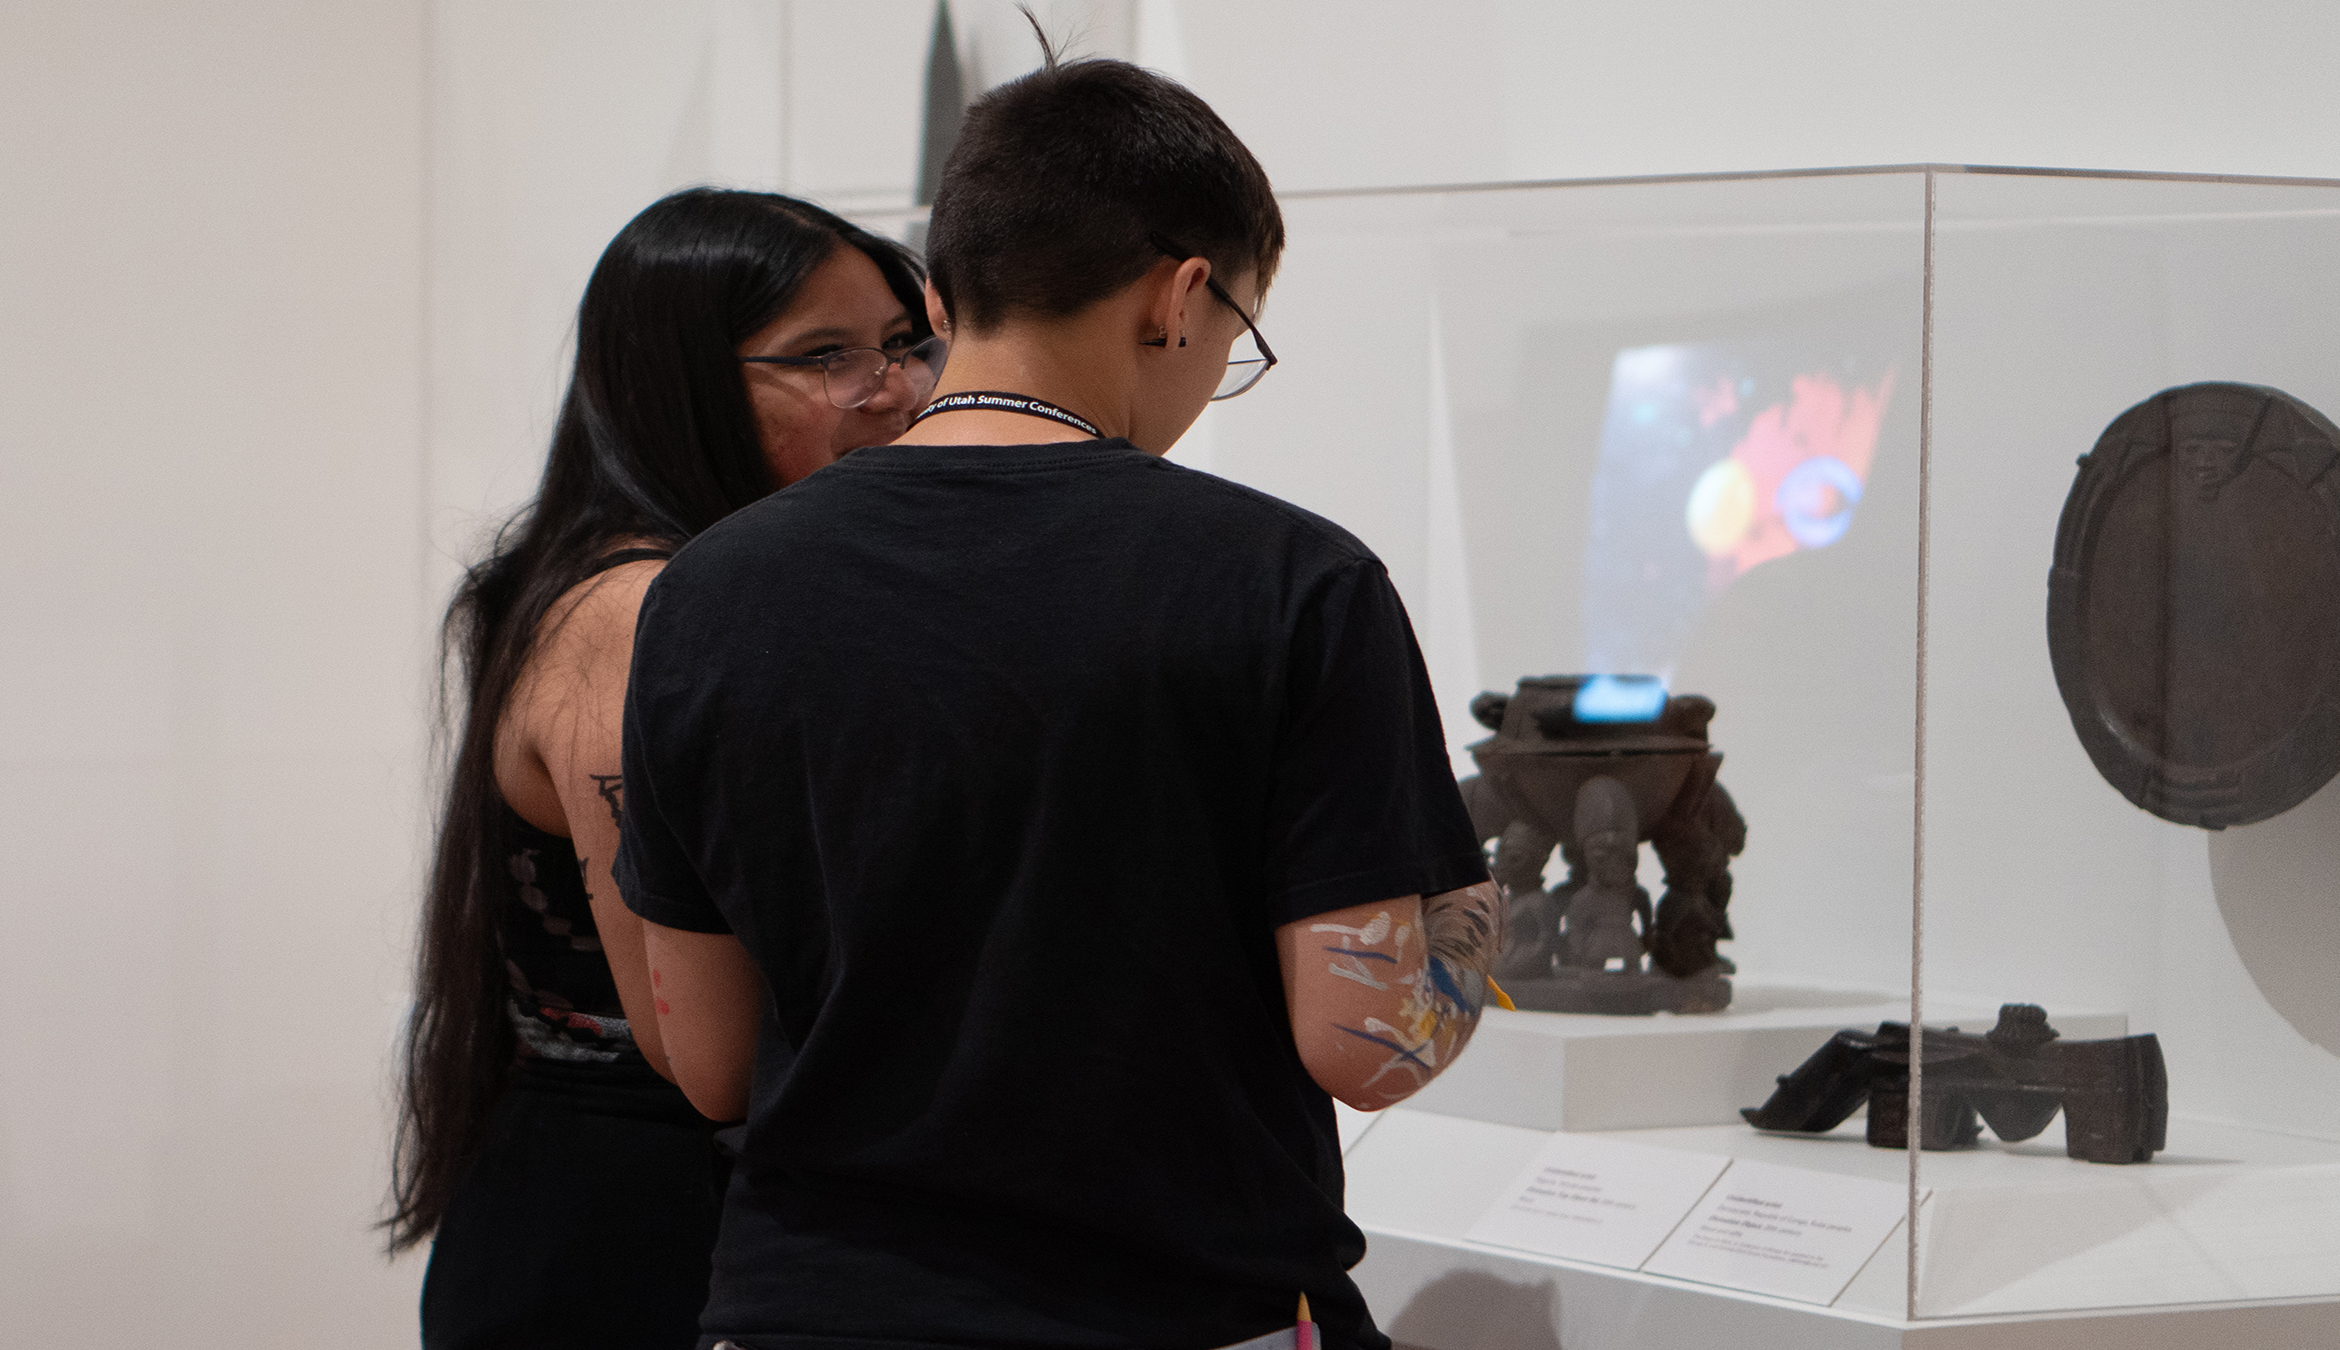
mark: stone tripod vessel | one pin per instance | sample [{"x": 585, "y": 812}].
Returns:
[{"x": 1535, "y": 792}]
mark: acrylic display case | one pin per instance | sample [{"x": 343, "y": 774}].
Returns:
[{"x": 1801, "y": 443}]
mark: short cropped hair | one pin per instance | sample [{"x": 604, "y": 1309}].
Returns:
[{"x": 1072, "y": 182}]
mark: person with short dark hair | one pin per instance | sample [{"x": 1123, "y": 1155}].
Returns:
[{"x": 1032, "y": 836}]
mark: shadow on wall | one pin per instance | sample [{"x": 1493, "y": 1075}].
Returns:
[
  {"x": 2276, "y": 884},
  {"x": 1468, "y": 1310}
]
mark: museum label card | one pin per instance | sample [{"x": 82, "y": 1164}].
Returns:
[
  {"x": 1602, "y": 1201},
  {"x": 1783, "y": 1231}
]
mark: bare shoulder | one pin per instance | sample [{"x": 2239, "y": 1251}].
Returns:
[
  {"x": 598, "y": 613},
  {"x": 570, "y": 698},
  {"x": 587, "y": 639}
]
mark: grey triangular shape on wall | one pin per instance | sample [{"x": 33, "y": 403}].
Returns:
[{"x": 946, "y": 103}]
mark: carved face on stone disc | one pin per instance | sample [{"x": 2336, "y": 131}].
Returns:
[{"x": 2211, "y": 444}]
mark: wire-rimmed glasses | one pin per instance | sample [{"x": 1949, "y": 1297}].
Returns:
[
  {"x": 854, "y": 376},
  {"x": 1250, "y": 359}
]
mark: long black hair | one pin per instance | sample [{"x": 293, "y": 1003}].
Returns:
[{"x": 655, "y": 441}]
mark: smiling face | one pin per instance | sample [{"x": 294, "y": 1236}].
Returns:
[{"x": 844, "y": 303}]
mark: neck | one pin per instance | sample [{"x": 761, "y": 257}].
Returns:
[{"x": 1057, "y": 363}]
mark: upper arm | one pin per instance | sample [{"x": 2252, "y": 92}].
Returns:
[
  {"x": 1353, "y": 984},
  {"x": 572, "y": 704},
  {"x": 1362, "y": 805},
  {"x": 705, "y": 991},
  {"x": 1383, "y": 997},
  {"x": 1365, "y": 821},
  {"x": 709, "y": 1000}
]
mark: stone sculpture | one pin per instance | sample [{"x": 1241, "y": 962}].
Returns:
[
  {"x": 2114, "y": 1093},
  {"x": 1597, "y": 929},
  {"x": 1556, "y": 775},
  {"x": 2193, "y": 614}
]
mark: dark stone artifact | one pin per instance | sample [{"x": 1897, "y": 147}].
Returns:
[
  {"x": 2194, "y": 604},
  {"x": 2114, "y": 1093},
  {"x": 1593, "y": 766}
]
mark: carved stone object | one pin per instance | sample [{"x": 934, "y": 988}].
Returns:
[
  {"x": 1598, "y": 929},
  {"x": 2194, "y": 604},
  {"x": 2114, "y": 1093},
  {"x": 1596, "y": 783}
]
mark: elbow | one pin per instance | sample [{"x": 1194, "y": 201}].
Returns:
[
  {"x": 655, "y": 1057},
  {"x": 1358, "y": 1098},
  {"x": 712, "y": 1090},
  {"x": 1369, "y": 1081},
  {"x": 721, "y": 1103},
  {"x": 728, "y": 1108}
]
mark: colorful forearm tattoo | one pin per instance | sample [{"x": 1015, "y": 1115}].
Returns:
[{"x": 1437, "y": 982}]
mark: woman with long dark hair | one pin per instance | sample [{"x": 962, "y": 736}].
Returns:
[{"x": 729, "y": 344}]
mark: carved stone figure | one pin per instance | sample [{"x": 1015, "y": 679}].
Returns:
[
  {"x": 1696, "y": 846},
  {"x": 2114, "y": 1093},
  {"x": 1594, "y": 787},
  {"x": 1597, "y": 929}
]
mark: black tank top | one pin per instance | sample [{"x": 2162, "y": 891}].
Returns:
[{"x": 564, "y": 1005}]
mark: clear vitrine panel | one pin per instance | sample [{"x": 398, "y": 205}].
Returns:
[
  {"x": 1552, "y": 411},
  {"x": 2198, "y": 625},
  {"x": 1662, "y": 429}
]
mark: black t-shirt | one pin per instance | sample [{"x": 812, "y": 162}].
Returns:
[{"x": 1004, "y": 764}]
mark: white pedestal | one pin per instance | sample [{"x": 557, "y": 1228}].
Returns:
[
  {"x": 2019, "y": 1247},
  {"x": 1571, "y": 1071}
]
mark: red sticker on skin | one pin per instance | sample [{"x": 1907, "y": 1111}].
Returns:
[
  {"x": 656, "y": 978},
  {"x": 663, "y": 1009}
]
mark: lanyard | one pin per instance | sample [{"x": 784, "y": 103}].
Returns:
[{"x": 994, "y": 401}]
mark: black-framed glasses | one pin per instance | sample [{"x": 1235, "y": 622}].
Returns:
[
  {"x": 854, "y": 376},
  {"x": 1249, "y": 361}
]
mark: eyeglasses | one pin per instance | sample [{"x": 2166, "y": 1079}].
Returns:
[
  {"x": 1250, "y": 359},
  {"x": 854, "y": 376}
]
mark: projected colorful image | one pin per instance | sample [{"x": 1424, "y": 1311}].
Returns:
[{"x": 1715, "y": 459}]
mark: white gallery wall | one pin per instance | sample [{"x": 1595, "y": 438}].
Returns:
[
  {"x": 212, "y": 639},
  {"x": 284, "y": 293}
]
